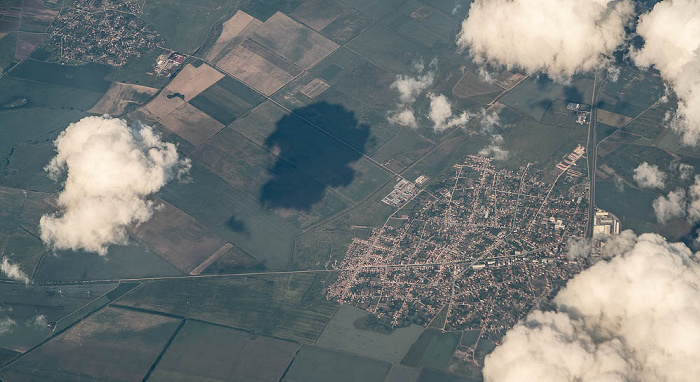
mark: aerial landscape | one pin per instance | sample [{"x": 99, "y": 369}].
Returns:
[{"x": 350, "y": 190}]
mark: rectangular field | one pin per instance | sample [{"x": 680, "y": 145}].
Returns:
[
  {"x": 191, "y": 124},
  {"x": 234, "y": 30},
  {"x": 227, "y": 100},
  {"x": 258, "y": 68},
  {"x": 177, "y": 237},
  {"x": 204, "y": 351},
  {"x": 387, "y": 49},
  {"x": 112, "y": 345},
  {"x": 317, "y": 364},
  {"x": 293, "y": 41},
  {"x": 341, "y": 334},
  {"x": 236, "y": 216},
  {"x": 285, "y": 306}
]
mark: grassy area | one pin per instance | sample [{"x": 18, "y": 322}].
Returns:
[
  {"x": 25, "y": 305},
  {"x": 387, "y": 49},
  {"x": 121, "y": 261},
  {"x": 186, "y": 25},
  {"x": 204, "y": 351},
  {"x": 112, "y": 345},
  {"x": 342, "y": 334},
  {"x": 89, "y": 77},
  {"x": 227, "y": 100},
  {"x": 235, "y": 216},
  {"x": 317, "y": 364},
  {"x": 285, "y": 306},
  {"x": 433, "y": 349}
]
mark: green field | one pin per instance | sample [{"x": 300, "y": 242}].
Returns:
[
  {"x": 316, "y": 364},
  {"x": 342, "y": 334},
  {"x": 257, "y": 231},
  {"x": 204, "y": 351},
  {"x": 25, "y": 305},
  {"x": 375, "y": 9},
  {"x": 633, "y": 92},
  {"x": 285, "y": 306},
  {"x": 433, "y": 349},
  {"x": 120, "y": 262},
  {"x": 423, "y": 24},
  {"x": 186, "y": 24},
  {"x": 387, "y": 49},
  {"x": 111, "y": 345},
  {"x": 89, "y": 77},
  {"x": 262, "y": 10},
  {"x": 7, "y": 51},
  {"x": 227, "y": 100}
]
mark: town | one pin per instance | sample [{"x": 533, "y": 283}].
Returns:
[
  {"x": 106, "y": 32},
  {"x": 477, "y": 251}
]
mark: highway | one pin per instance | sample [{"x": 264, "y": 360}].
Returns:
[{"x": 592, "y": 153}]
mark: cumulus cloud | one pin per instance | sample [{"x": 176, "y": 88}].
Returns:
[
  {"x": 409, "y": 88},
  {"x": 13, "y": 271},
  {"x": 671, "y": 206},
  {"x": 606, "y": 246},
  {"x": 649, "y": 176},
  {"x": 558, "y": 37},
  {"x": 671, "y": 33},
  {"x": 111, "y": 168},
  {"x": 441, "y": 113},
  {"x": 6, "y": 325},
  {"x": 488, "y": 124},
  {"x": 495, "y": 149},
  {"x": 684, "y": 170},
  {"x": 635, "y": 317},
  {"x": 679, "y": 203}
]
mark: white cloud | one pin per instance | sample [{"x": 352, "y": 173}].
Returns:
[
  {"x": 111, "y": 170},
  {"x": 13, "y": 271},
  {"x": 679, "y": 203},
  {"x": 685, "y": 171},
  {"x": 409, "y": 88},
  {"x": 558, "y": 37},
  {"x": 495, "y": 149},
  {"x": 671, "y": 32},
  {"x": 6, "y": 325},
  {"x": 671, "y": 206},
  {"x": 441, "y": 113},
  {"x": 635, "y": 317},
  {"x": 649, "y": 176},
  {"x": 40, "y": 321}
]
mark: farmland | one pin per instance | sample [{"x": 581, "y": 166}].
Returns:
[
  {"x": 283, "y": 306},
  {"x": 283, "y": 108}
]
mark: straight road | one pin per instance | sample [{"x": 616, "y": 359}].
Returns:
[{"x": 592, "y": 153}]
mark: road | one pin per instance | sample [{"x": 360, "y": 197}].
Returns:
[{"x": 592, "y": 153}]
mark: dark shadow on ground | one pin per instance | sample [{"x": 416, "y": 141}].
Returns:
[
  {"x": 572, "y": 94},
  {"x": 310, "y": 160}
]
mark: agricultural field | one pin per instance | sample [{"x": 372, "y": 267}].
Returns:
[
  {"x": 293, "y": 41},
  {"x": 227, "y": 100},
  {"x": 283, "y": 306},
  {"x": 120, "y": 95},
  {"x": 342, "y": 334},
  {"x": 433, "y": 349},
  {"x": 121, "y": 261},
  {"x": 211, "y": 352},
  {"x": 177, "y": 237},
  {"x": 184, "y": 24},
  {"x": 387, "y": 49},
  {"x": 258, "y": 68},
  {"x": 316, "y": 364},
  {"x": 235, "y": 216},
  {"x": 112, "y": 345},
  {"x": 36, "y": 309}
]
